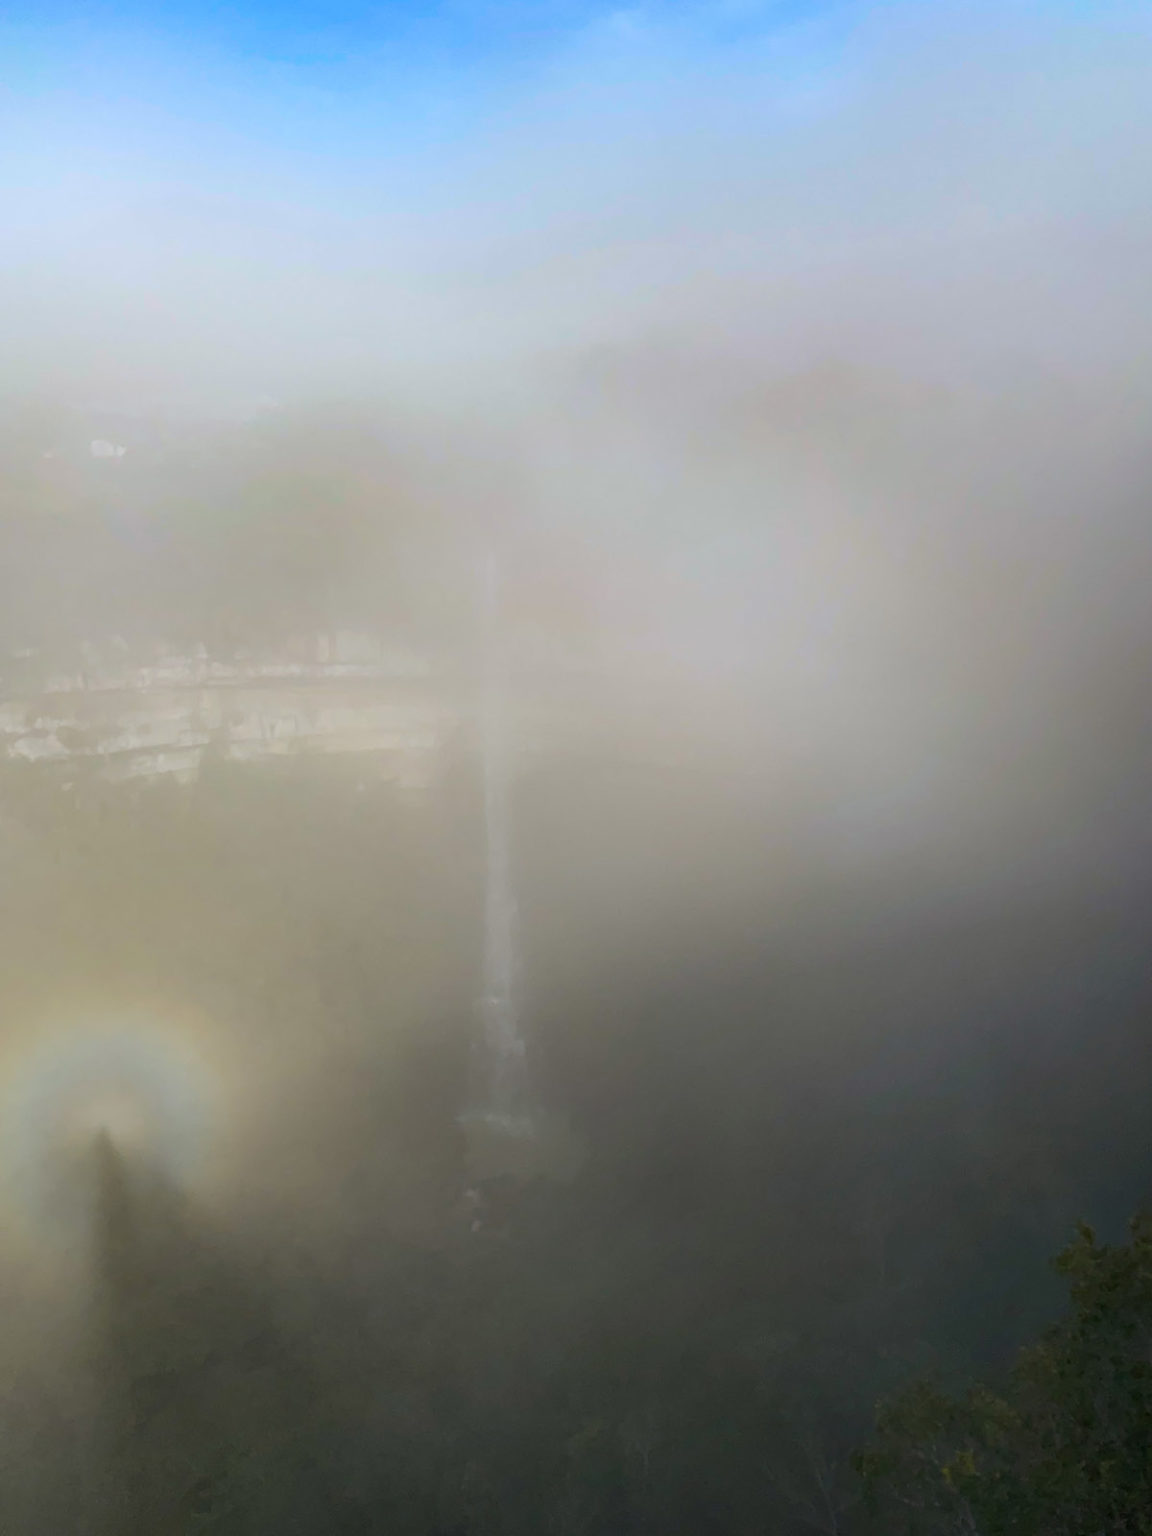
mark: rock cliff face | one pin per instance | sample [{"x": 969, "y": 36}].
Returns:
[
  {"x": 167, "y": 716},
  {"x": 125, "y": 717},
  {"x": 166, "y": 731}
]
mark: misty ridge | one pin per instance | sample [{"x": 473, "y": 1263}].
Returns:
[{"x": 575, "y": 722}]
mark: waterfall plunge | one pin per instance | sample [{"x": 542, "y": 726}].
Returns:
[{"x": 502, "y": 1079}]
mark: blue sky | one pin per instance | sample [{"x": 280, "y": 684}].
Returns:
[
  {"x": 478, "y": 31},
  {"x": 289, "y": 185},
  {"x": 213, "y": 59},
  {"x": 339, "y": 86}
]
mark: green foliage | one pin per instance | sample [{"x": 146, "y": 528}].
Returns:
[{"x": 1065, "y": 1449}]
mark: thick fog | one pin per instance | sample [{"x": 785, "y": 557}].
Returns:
[{"x": 783, "y": 809}]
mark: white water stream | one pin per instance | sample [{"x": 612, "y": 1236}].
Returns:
[{"x": 503, "y": 1078}]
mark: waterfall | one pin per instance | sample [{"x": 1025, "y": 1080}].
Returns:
[{"x": 502, "y": 1085}]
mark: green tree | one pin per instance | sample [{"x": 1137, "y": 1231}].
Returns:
[{"x": 1065, "y": 1449}]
